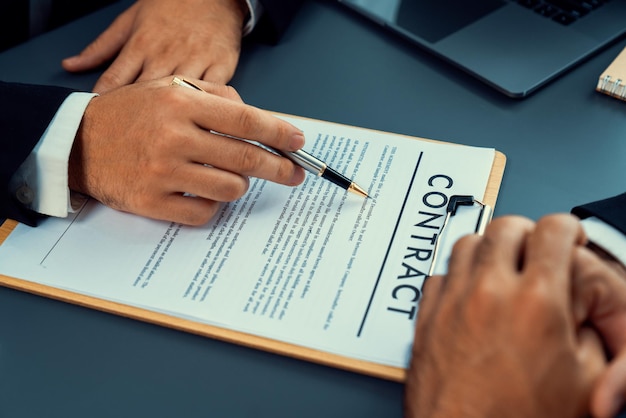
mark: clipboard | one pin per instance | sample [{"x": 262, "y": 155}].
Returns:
[
  {"x": 465, "y": 215},
  {"x": 397, "y": 374}
]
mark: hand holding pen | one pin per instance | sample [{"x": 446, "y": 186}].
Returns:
[
  {"x": 147, "y": 148},
  {"x": 299, "y": 157}
]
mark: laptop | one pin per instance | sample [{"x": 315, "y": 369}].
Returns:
[{"x": 515, "y": 46}]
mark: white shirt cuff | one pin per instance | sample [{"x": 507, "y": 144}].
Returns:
[
  {"x": 41, "y": 183},
  {"x": 604, "y": 235},
  {"x": 256, "y": 9}
]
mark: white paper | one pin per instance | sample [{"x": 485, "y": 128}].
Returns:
[{"x": 310, "y": 265}]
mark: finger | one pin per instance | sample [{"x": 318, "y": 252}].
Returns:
[
  {"x": 123, "y": 71},
  {"x": 501, "y": 251},
  {"x": 610, "y": 389},
  {"x": 460, "y": 265},
  {"x": 105, "y": 47},
  {"x": 599, "y": 297},
  {"x": 592, "y": 362},
  {"x": 427, "y": 308},
  {"x": 247, "y": 122},
  {"x": 208, "y": 182},
  {"x": 245, "y": 159},
  {"x": 590, "y": 353},
  {"x": 188, "y": 210},
  {"x": 550, "y": 252},
  {"x": 431, "y": 293}
]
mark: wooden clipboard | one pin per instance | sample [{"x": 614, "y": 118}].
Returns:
[{"x": 249, "y": 340}]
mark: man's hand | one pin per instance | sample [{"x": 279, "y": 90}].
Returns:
[
  {"x": 497, "y": 335},
  {"x": 600, "y": 299},
  {"x": 156, "y": 38},
  {"x": 145, "y": 148}
]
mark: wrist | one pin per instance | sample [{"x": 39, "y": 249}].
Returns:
[{"x": 240, "y": 9}]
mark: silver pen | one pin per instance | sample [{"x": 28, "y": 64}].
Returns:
[{"x": 300, "y": 157}]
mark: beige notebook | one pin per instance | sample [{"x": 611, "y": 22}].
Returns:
[{"x": 613, "y": 80}]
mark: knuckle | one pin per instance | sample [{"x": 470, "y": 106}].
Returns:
[
  {"x": 173, "y": 97},
  {"x": 559, "y": 219},
  {"x": 154, "y": 166},
  {"x": 282, "y": 133},
  {"x": 231, "y": 93},
  {"x": 487, "y": 298},
  {"x": 170, "y": 171},
  {"x": 234, "y": 190},
  {"x": 92, "y": 49},
  {"x": 507, "y": 225},
  {"x": 486, "y": 253},
  {"x": 463, "y": 246},
  {"x": 284, "y": 171},
  {"x": 557, "y": 223},
  {"x": 142, "y": 202},
  {"x": 250, "y": 159},
  {"x": 489, "y": 290},
  {"x": 110, "y": 79},
  {"x": 538, "y": 300},
  {"x": 250, "y": 121}
]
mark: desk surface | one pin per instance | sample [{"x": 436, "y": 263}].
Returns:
[{"x": 565, "y": 145}]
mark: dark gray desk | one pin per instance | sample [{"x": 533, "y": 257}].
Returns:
[{"x": 565, "y": 145}]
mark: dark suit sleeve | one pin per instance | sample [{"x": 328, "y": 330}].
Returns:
[
  {"x": 611, "y": 210},
  {"x": 25, "y": 112},
  {"x": 277, "y": 14}
]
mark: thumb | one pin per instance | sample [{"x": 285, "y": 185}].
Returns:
[
  {"x": 599, "y": 298},
  {"x": 610, "y": 390},
  {"x": 592, "y": 362}
]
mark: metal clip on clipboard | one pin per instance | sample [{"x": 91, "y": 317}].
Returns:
[{"x": 464, "y": 215}]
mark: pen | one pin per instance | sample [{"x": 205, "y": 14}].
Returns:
[{"x": 300, "y": 157}]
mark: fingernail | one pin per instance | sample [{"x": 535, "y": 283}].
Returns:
[
  {"x": 297, "y": 177},
  {"x": 297, "y": 141}
]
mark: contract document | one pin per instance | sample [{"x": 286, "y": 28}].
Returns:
[{"x": 311, "y": 266}]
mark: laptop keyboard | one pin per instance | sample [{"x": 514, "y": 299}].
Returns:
[{"x": 563, "y": 11}]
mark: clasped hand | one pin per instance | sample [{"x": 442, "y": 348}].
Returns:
[{"x": 518, "y": 327}]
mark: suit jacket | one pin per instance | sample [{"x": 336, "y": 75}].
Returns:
[
  {"x": 611, "y": 210},
  {"x": 277, "y": 14},
  {"x": 25, "y": 112}
]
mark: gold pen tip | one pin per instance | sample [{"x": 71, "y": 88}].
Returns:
[{"x": 356, "y": 189}]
